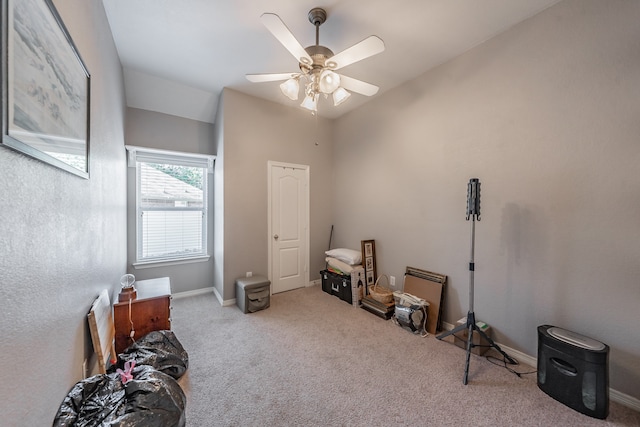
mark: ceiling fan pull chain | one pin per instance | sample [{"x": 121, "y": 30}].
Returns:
[{"x": 317, "y": 143}]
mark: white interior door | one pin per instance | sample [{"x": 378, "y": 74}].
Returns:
[{"x": 289, "y": 219}]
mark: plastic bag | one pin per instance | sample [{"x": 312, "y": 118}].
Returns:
[
  {"x": 160, "y": 349},
  {"x": 91, "y": 402},
  {"x": 150, "y": 399}
]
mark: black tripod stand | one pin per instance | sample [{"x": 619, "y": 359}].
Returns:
[{"x": 473, "y": 212}]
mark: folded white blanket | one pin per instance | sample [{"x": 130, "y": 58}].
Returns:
[
  {"x": 340, "y": 266},
  {"x": 350, "y": 256}
]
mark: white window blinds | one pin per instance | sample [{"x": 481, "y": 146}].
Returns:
[{"x": 171, "y": 204}]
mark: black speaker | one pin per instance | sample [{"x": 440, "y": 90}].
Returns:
[{"x": 574, "y": 370}]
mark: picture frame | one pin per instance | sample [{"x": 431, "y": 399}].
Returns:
[
  {"x": 45, "y": 87},
  {"x": 369, "y": 260},
  {"x": 370, "y": 278}
]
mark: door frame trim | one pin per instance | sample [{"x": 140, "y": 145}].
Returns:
[{"x": 306, "y": 168}]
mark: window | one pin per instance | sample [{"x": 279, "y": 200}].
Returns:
[{"x": 171, "y": 205}]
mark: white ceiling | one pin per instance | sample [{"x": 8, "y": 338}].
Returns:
[{"x": 177, "y": 55}]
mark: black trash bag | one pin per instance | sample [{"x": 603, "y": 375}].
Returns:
[
  {"x": 92, "y": 401},
  {"x": 153, "y": 399},
  {"x": 160, "y": 349},
  {"x": 150, "y": 399}
]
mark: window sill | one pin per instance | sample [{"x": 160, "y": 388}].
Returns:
[{"x": 167, "y": 262}]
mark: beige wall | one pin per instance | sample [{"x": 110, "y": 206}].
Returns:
[
  {"x": 62, "y": 240},
  {"x": 254, "y": 132},
  {"x": 546, "y": 115}
]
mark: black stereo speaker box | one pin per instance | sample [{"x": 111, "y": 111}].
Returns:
[{"x": 574, "y": 370}]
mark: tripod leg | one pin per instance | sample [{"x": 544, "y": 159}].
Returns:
[
  {"x": 494, "y": 345},
  {"x": 465, "y": 379},
  {"x": 453, "y": 331}
]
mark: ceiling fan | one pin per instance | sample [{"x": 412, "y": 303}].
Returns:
[{"x": 317, "y": 64}]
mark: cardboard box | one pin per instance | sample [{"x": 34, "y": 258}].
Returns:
[{"x": 460, "y": 338}]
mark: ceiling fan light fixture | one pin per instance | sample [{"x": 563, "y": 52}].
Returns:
[
  {"x": 340, "y": 95},
  {"x": 317, "y": 64},
  {"x": 310, "y": 102},
  {"x": 329, "y": 81},
  {"x": 291, "y": 88}
]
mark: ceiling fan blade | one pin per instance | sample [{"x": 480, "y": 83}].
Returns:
[
  {"x": 282, "y": 33},
  {"x": 260, "y": 78},
  {"x": 370, "y": 46},
  {"x": 358, "y": 86}
]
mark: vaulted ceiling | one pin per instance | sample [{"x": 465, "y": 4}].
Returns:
[{"x": 177, "y": 56}]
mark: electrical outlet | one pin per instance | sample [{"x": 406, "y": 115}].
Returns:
[
  {"x": 249, "y": 274},
  {"x": 392, "y": 280}
]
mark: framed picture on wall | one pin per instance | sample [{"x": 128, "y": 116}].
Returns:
[
  {"x": 369, "y": 260},
  {"x": 45, "y": 87}
]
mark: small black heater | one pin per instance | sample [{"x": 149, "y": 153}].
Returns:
[{"x": 574, "y": 370}]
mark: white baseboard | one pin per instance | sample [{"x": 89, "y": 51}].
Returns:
[
  {"x": 203, "y": 291},
  {"x": 520, "y": 356},
  {"x": 222, "y": 301},
  {"x": 624, "y": 399},
  {"x": 229, "y": 302},
  {"x": 614, "y": 395},
  {"x": 314, "y": 282},
  {"x": 193, "y": 293}
]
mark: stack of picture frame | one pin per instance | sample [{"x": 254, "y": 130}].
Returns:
[{"x": 380, "y": 309}]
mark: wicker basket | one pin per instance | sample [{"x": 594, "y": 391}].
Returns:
[{"x": 380, "y": 293}]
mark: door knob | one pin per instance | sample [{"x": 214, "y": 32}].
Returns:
[{"x": 275, "y": 236}]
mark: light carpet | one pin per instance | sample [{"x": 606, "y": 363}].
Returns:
[{"x": 314, "y": 360}]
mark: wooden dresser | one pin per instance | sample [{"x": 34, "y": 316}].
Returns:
[{"x": 150, "y": 311}]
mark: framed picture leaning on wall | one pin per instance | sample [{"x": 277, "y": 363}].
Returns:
[
  {"x": 369, "y": 260},
  {"x": 45, "y": 87}
]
